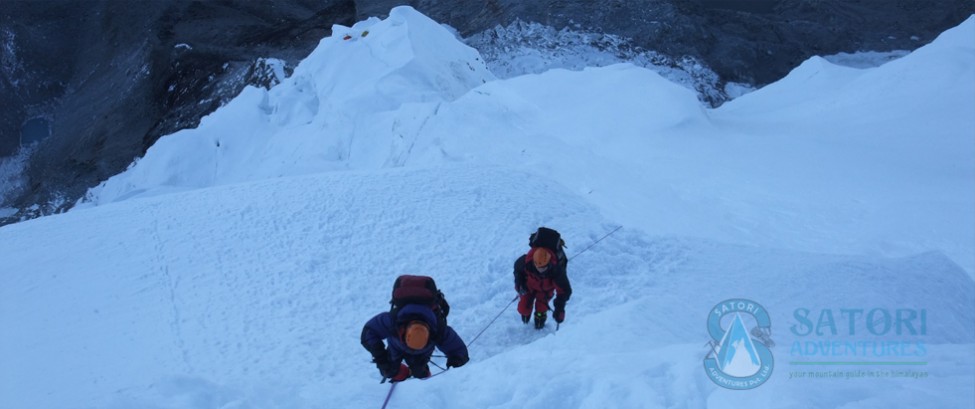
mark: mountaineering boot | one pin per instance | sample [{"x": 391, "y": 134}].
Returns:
[
  {"x": 525, "y": 318},
  {"x": 421, "y": 372},
  {"x": 404, "y": 372},
  {"x": 540, "y": 319}
]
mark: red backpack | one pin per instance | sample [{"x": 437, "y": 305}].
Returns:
[{"x": 422, "y": 290}]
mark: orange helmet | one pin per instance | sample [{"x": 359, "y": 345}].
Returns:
[
  {"x": 541, "y": 257},
  {"x": 417, "y": 335}
]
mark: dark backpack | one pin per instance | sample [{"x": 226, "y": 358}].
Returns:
[
  {"x": 422, "y": 290},
  {"x": 552, "y": 240}
]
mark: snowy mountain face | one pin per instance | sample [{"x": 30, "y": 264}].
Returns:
[
  {"x": 236, "y": 262},
  {"x": 379, "y": 101},
  {"x": 88, "y": 86}
]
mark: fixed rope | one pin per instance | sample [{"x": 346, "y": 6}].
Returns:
[
  {"x": 442, "y": 369},
  {"x": 595, "y": 242},
  {"x": 492, "y": 321},
  {"x": 389, "y": 394},
  {"x": 393, "y": 385}
]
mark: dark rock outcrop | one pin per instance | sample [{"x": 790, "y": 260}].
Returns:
[{"x": 112, "y": 76}]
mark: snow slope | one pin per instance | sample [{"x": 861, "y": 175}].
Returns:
[
  {"x": 234, "y": 265},
  {"x": 253, "y": 295}
]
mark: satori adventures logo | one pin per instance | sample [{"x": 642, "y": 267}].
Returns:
[{"x": 738, "y": 358}]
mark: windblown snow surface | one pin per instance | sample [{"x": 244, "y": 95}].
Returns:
[{"x": 234, "y": 265}]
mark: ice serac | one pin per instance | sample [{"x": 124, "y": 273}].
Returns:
[{"x": 317, "y": 116}]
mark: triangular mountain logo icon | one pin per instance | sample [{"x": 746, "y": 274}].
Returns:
[{"x": 736, "y": 353}]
